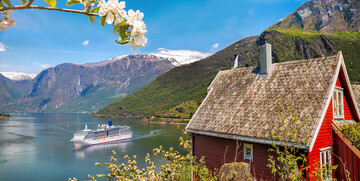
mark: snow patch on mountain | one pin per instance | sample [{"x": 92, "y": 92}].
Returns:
[
  {"x": 181, "y": 57},
  {"x": 104, "y": 62},
  {"x": 18, "y": 76}
]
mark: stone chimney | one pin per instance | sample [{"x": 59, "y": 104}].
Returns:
[{"x": 265, "y": 58}]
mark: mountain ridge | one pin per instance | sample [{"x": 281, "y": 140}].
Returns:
[
  {"x": 70, "y": 87},
  {"x": 325, "y": 16},
  {"x": 172, "y": 89}
]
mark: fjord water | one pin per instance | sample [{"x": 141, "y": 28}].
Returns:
[{"x": 36, "y": 146}]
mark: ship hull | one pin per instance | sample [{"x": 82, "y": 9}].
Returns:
[{"x": 94, "y": 141}]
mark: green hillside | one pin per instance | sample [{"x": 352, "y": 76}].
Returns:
[{"x": 189, "y": 82}]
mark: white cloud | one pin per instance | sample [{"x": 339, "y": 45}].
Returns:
[
  {"x": 86, "y": 42},
  {"x": 181, "y": 56},
  {"x": 2, "y": 47},
  {"x": 215, "y": 45},
  {"x": 44, "y": 65}
]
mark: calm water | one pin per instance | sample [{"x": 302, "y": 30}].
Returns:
[{"x": 37, "y": 146}]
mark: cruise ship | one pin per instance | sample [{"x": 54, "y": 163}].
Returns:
[{"x": 105, "y": 133}]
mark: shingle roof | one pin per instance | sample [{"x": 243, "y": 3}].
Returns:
[
  {"x": 246, "y": 103},
  {"x": 356, "y": 90}
]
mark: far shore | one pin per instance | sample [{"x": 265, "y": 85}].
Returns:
[
  {"x": 2, "y": 116},
  {"x": 158, "y": 120}
]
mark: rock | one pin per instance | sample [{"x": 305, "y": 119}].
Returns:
[{"x": 235, "y": 171}]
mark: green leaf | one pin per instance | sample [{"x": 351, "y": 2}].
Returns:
[
  {"x": 52, "y": 3},
  {"x": 24, "y": 2},
  {"x": 122, "y": 42},
  {"x": 1, "y": 4},
  {"x": 7, "y": 2},
  {"x": 72, "y": 2},
  {"x": 92, "y": 19},
  {"x": 96, "y": 9},
  {"x": 117, "y": 26},
  {"x": 102, "y": 21}
]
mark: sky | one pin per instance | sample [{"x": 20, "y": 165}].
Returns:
[{"x": 43, "y": 39}]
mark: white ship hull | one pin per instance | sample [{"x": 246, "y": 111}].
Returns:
[
  {"x": 96, "y": 141},
  {"x": 103, "y": 134}
]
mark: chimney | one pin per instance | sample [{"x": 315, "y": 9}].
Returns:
[{"x": 265, "y": 58}]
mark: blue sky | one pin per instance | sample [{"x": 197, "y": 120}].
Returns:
[{"x": 47, "y": 38}]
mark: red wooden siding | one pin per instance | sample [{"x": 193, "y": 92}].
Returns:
[
  {"x": 325, "y": 136},
  {"x": 323, "y": 140},
  {"x": 349, "y": 112},
  {"x": 218, "y": 151},
  {"x": 345, "y": 156}
]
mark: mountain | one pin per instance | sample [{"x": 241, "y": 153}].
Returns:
[
  {"x": 18, "y": 76},
  {"x": 189, "y": 82},
  {"x": 70, "y": 87},
  {"x": 8, "y": 91},
  {"x": 325, "y": 16},
  {"x": 21, "y": 82}
]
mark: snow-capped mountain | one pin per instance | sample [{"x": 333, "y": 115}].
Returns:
[
  {"x": 18, "y": 76},
  {"x": 104, "y": 62},
  {"x": 181, "y": 57}
]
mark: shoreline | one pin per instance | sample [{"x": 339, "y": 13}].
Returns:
[
  {"x": 159, "y": 120},
  {"x": 4, "y": 116}
]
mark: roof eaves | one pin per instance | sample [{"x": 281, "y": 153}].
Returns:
[{"x": 246, "y": 138}]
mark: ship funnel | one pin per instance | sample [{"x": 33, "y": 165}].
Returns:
[{"x": 109, "y": 123}]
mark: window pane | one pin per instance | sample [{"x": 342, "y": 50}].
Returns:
[
  {"x": 248, "y": 152},
  {"x": 335, "y": 104},
  {"x": 340, "y": 104},
  {"x": 329, "y": 157}
]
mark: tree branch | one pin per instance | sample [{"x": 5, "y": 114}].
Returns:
[
  {"x": 29, "y": 6},
  {"x": 29, "y": 3}
]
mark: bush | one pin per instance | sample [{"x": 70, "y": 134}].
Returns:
[{"x": 352, "y": 132}]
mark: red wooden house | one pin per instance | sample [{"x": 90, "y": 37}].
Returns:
[{"x": 242, "y": 108}]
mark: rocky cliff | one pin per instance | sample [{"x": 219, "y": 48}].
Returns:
[
  {"x": 325, "y": 16},
  {"x": 85, "y": 88}
]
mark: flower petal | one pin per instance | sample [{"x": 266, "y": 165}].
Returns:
[{"x": 110, "y": 18}]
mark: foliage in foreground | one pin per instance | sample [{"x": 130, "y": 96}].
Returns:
[
  {"x": 179, "y": 167},
  {"x": 352, "y": 132}
]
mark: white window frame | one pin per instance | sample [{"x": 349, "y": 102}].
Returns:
[
  {"x": 246, "y": 156},
  {"x": 325, "y": 161},
  {"x": 340, "y": 108}
]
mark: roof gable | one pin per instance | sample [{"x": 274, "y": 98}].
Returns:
[{"x": 246, "y": 103}]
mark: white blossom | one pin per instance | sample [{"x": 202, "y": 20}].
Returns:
[
  {"x": 138, "y": 38},
  {"x": 112, "y": 10},
  {"x": 135, "y": 18},
  {"x": 7, "y": 21}
]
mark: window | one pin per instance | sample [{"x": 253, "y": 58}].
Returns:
[
  {"x": 248, "y": 151},
  {"x": 338, "y": 105},
  {"x": 325, "y": 162}
]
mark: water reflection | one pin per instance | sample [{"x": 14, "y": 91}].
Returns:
[
  {"x": 39, "y": 144},
  {"x": 84, "y": 151}
]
